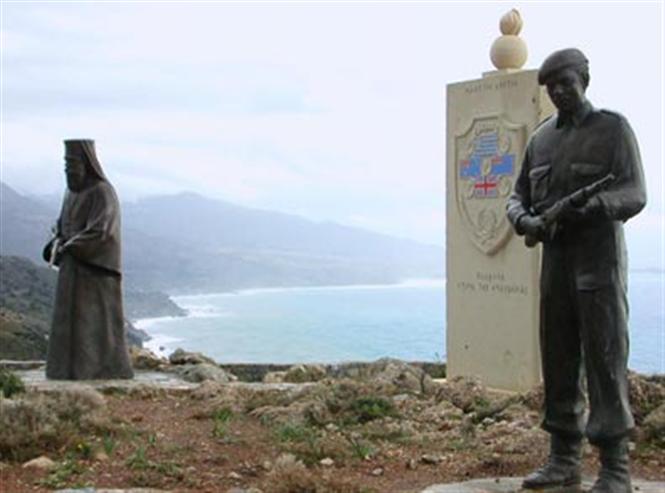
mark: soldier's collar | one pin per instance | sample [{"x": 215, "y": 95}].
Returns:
[{"x": 577, "y": 118}]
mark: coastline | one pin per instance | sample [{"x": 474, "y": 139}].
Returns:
[{"x": 286, "y": 339}]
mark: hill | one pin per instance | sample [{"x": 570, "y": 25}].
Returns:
[
  {"x": 187, "y": 243},
  {"x": 24, "y": 224},
  {"x": 26, "y": 303}
]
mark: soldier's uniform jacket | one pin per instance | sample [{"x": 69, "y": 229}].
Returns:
[{"x": 563, "y": 156}]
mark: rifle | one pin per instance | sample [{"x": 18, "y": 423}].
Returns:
[{"x": 576, "y": 199}]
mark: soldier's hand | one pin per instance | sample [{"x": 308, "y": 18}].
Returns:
[
  {"x": 590, "y": 210},
  {"x": 533, "y": 226}
]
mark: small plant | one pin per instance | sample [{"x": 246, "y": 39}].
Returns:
[
  {"x": 169, "y": 469},
  {"x": 457, "y": 444},
  {"x": 148, "y": 473},
  {"x": 138, "y": 459},
  {"x": 302, "y": 441},
  {"x": 361, "y": 450},
  {"x": 62, "y": 474},
  {"x": 108, "y": 443},
  {"x": 221, "y": 418},
  {"x": 152, "y": 439},
  {"x": 366, "y": 409},
  {"x": 83, "y": 450},
  {"x": 219, "y": 429},
  {"x": 10, "y": 384},
  {"x": 224, "y": 414},
  {"x": 481, "y": 403}
]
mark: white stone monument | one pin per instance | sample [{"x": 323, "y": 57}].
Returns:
[{"x": 492, "y": 278}]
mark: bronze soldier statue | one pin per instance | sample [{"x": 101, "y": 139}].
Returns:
[
  {"x": 87, "y": 339},
  {"x": 583, "y": 306}
]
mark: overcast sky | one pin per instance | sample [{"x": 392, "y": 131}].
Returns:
[{"x": 333, "y": 111}]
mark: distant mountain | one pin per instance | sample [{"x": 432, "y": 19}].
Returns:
[
  {"x": 189, "y": 243},
  {"x": 216, "y": 225},
  {"x": 214, "y": 245}
]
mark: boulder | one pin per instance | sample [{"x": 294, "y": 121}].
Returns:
[
  {"x": 442, "y": 413},
  {"x": 274, "y": 377},
  {"x": 144, "y": 359},
  {"x": 646, "y": 394},
  {"x": 203, "y": 372},
  {"x": 430, "y": 459},
  {"x": 42, "y": 463},
  {"x": 467, "y": 394},
  {"x": 182, "y": 357},
  {"x": 393, "y": 375},
  {"x": 297, "y": 412},
  {"x": 304, "y": 373},
  {"x": 534, "y": 398},
  {"x": 654, "y": 424}
]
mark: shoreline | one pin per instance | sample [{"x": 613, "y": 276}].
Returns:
[
  {"x": 165, "y": 337},
  {"x": 417, "y": 282}
]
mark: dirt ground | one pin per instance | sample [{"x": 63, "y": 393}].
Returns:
[{"x": 176, "y": 443}]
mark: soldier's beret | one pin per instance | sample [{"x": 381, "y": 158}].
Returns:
[{"x": 559, "y": 60}]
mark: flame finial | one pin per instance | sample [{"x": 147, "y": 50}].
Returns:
[{"x": 509, "y": 50}]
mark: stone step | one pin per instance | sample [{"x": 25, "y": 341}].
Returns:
[{"x": 513, "y": 485}]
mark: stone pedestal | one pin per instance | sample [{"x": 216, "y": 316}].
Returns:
[{"x": 492, "y": 278}]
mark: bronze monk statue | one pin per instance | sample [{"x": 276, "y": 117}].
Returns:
[
  {"x": 583, "y": 306},
  {"x": 87, "y": 338}
]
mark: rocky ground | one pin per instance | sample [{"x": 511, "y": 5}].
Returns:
[{"x": 188, "y": 425}]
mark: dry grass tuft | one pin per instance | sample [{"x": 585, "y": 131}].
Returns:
[
  {"x": 35, "y": 423},
  {"x": 289, "y": 475}
]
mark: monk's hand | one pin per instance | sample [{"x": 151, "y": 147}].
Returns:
[{"x": 533, "y": 226}]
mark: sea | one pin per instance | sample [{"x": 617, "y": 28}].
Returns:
[{"x": 359, "y": 323}]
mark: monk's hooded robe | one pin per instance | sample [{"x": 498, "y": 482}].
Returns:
[{"x": 87, "y": 339}]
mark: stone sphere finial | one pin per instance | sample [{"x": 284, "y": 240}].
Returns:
[{"x": 509, "y": 50}]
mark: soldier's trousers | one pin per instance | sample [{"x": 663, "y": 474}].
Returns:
[{"x": 584, "y": 331}]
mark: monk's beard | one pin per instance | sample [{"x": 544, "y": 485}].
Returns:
[{"x": 76, "y": 183}]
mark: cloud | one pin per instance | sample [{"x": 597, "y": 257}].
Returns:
[{"x": 334, "y": 111}]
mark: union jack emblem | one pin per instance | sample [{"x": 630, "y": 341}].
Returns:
[{"x": 486, "y": 165}]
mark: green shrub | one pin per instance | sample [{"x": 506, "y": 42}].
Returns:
[
  {"x": 221, "y": 418},
  {"x": 62, "y": 474},
  {"x": 10, "y": 384},
  {"x": 295, "y": 433},
  {"x": 366, "y": 409}
]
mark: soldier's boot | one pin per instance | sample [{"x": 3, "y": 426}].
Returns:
[
  {"x": 562, "y": 468},
  {"x": 614, "y": 475}
]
